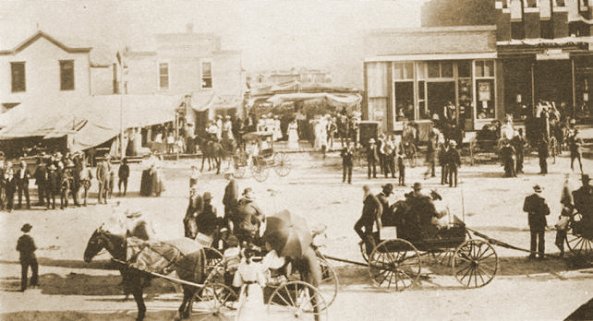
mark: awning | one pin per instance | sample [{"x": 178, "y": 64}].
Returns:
[
  {"x": 205, "y": 101},
  {"x": 336, "y": 100}
]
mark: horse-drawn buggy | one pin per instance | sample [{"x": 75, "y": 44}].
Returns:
[{"x": 257, "y": 155}]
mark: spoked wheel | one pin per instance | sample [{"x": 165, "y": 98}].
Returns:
[
  {"x": 329, "y": 281},
  {"x": 444, "y": 257},
  {"x": 281, "y": 164},
  {"x": 260, "y": 171},
  {"x": 578, "y": 243},
  {"x": 395, "y": 264},
  {"x": 213, "y": 258},
  {"x": 240, "y": 171},
  {"x": 214, "y": 301},
  {"x": 363, "y": 252},
  {"x": 297, "y": 300},
  {"x": 475, "y": 263}
]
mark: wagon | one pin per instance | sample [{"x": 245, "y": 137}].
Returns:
[
  {"x": 579, "y": 236},
  {"x": 257, "y": 155}
]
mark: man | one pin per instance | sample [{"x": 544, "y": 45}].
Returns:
[
  {"x": 431, "y": 153},
  {"x": 575, "y": 142},
  {"x": 507, "y": 153},
  {"x": 383, "y": 197},
  {"x": 26, "y": 248},
  {"x": 103, "y": 174},
  {"x": 372, "y": 158},
  {"x": 543, "y": 154},
  {"x": 76, "y": 182},
  {"x": 85, "y": 177},
  {"x": 249, "y": 217},
  {"x": 230, "y": 199},
  {"x": 453, "y": 163},
  {"x": 9, "y": 186},
  {"x": 195, "y": 206},
  {"x": 442, "y": 155},
  {"x": 347, "y": 155},
  {"x": 371, "y": 215},
  {"x": 123, "y": 173},
  {"x": 206, "y": 220},
  {"x": 518, "y": 142},
  {"x": 227, "y": 129},
  {"x": 537, "y": 210},
  {"x": 381, "y": 152},
  {"x": 421, "y": 212},
  {"x": 22, "y": 184},
  {"x": 41, "y": 180},
  {"x": 583, "y": 202},
  {"x": 52, "y": 187}
]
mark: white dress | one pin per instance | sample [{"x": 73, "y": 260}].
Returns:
[
  {"x": 277, "y": 130},
  {"x": 250, "y": 277},
  {"x": 293, "y": 136}
]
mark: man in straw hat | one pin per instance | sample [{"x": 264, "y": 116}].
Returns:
[
  {"x": 372, "y": 158},
  {"x": 583, "y": 201},
  {"x": 26, "y": 248},
  {"x": 537, "y": 210}
]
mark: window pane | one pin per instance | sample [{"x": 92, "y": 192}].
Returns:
[
  {"x": 67, "y": 75},
  {"x": 17, "y": 70},
  {"x": 398, "y": 73},
  {"x": 433, "y": 70},
  {"x": 489, "y": 68},
  {"x": 479, "y": 69},
  {"x": 206, "y": 75},
  {"x": 404, "y": 101},
  {"x": 485, "y": 95},
  {"x": 420, "y": 71},
  {"x": 409, "y": 71},
  {"x": 464, "y": 69},
  {"x": 446, "y": 70},
  {"x": 163, "y": 76}
]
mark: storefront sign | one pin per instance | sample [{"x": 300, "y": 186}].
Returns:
[
  {"x": 484, "y": 91},
  {"x": 553, "y": 54}
]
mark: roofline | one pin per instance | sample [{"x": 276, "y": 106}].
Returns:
[
  {"x": 29, "y": 41},
  {"x": 431, "y": 29}
]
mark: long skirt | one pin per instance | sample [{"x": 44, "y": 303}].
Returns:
[{"x": 251, "y": 302}]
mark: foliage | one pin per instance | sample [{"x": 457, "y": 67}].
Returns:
[{"x": 442, "y": 13}]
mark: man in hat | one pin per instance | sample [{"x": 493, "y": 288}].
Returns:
[
  {"x": 9, "y": 186},
  {"x": 41, "y": 179},
  {"x": 52, "y": 186},
  {"x": 372, "y": 158},
  {"x": 583, "y": 201},
  {"x": 103, "y": 175},
  {"x": 543, "y": 153},
  {"x": 230, "y": 198},
  {"x": 575, "y": 143},
  {"x": 537, "y": 210},
  {"x": 371, "y": 215},
  {"x": 248, "y": 217},
  {"x": 507, "y": 155},
  {"x": 347, "y": 154},
  {"x": 26, "y": 248},
  {"x": 206, "y": 220},
  {"x": 453, "y": 162},
  {"x": 421, "y": 212},
  {"x": 22, "y": 184},
  {"x": 383, "y": 197},
  {"x": 138, "y": 226},
  {"x": 123, "y": 174}
]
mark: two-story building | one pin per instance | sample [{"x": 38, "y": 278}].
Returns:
[{"x": 538, "y": 49}]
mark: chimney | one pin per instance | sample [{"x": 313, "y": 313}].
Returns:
[{"x": 189, "y": 28}]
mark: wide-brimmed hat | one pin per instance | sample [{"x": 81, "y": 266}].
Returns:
[
  {"x": 372, "y": 141},
  {"x": 247, "y": 191},
  {"x": 52, "y": 167},
  {"x": 207, "y": 196},
  {"x": 585, "y": 178},
  {"x": 26, "y": 228},
  {"x": 417, "y": 186},
  {"x": 537, "y": 188},
  {"x": 453, "y": 143},
  {"x": 133, "y": 213},
  {"x": 387, "y": 188},
  {"x": 227, "y": 117}
]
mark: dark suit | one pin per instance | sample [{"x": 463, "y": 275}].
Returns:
[
  {"x": 372, "y": 159},
  {"x": 543, "y": 153},
  {"x": 249, "y": 217},
  {"x": 41, "y": 180},
  {"x": 26, "y": 247},
  {"x": 583, "y": 202},
  {"x": 371, "y": 212},
  {"x": 229, "y": 200},
  {"x": 453, "y": 163},
  {"x": 52, "y": 187},
  {"x": 10, "y": 189},
  {"x": 22, "y": 186},
  {"x": 347, "y": 165},
  {"x": 537, "y": 209},
  {"x": 123, "y": 174}
]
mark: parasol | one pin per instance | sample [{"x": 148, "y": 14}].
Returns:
[{"x": 288, "y": 234}]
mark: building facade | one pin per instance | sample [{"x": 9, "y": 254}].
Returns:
[{"x": 538, "y": 50}]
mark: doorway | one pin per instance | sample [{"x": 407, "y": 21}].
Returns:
[
  {"x": 438, "y": 95},
  {"x": 553, "y": 81}
]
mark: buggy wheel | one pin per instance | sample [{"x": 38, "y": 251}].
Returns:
[
  {"x": 214, "y": 300},
  {"x": 260, "y": 171},
  {"x": 475, "y": 263},
  {"x": 300, "y": 299},
  {"x": 444, "y": 257},
  {"x": 363, "y": 252},
  {"x": 240, "y": 171},
  {"x": 329, "y": 281},
  {"x": 578, "y": 243},
  {"x": 281, "y": 164},
  {"x": 213, "y": 258},
  {"x": 394, "y": 264}
]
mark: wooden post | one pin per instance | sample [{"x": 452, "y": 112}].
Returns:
[{"x": 574, "y": 87}]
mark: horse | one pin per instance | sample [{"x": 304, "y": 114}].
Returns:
[
  {"x": 212, "y": 151},
  {"x": 190, "y": 267}
]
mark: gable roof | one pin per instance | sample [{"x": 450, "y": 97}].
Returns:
[{"x": 40, "y": 34}]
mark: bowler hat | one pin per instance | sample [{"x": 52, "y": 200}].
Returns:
[
  {"x": 417, "y": 186},
  {"x": 388, "y": 188},
  {"x": 26, "y": 228},
  {"x": 247, "y": 190},
  {"x": 537, "y": 188},
  {"x": 207, "y": 196},
  {"x": 585, "y": 177},
  {"x": 372, "y": 141}
]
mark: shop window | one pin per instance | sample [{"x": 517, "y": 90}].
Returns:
[
  {"x": 404, "y": 100},
  {"x": 207, "y": 74},
  {"x": 465, "y": 102},
  {"x": 434, "y": 70},
  {"x": 446, "y": 70},
  {"x": 17, "y": 70},
  {"x": 440, "y": 69},
  {"x": 464, "y": 69},
  {"x": 404, "y": 71},
  {"x": 66, "y": 74},
  {"x": 485, "y": 68},
  {"x": 422, "y": 107},
  {"x": 163, "y": 76},
  {"x": 421, "y": 70}
]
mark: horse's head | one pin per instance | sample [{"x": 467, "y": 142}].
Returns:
[{"x": 101, "y": 239}]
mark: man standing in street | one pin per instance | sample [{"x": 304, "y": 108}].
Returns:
[
  {"x": 347, "y": 154},
  {"x": 10, "y": 186},
  {"x": 583, "y": 202},
  {"x": 372, "y": 158},
  {"x": 22, "y": 184},
  {"x": 453, "y": 162},
  {"x": 26, "y": 248},
  {"x": 537, "y": 210},
  {"x": 123, "y": 173},
  {"x": 102, "y": 174},
  {"x": 518, "y": 142},
  {"x": 371, "y": 214},
  {"x": 230, "y": 199},
  {"x": 507, "y": 153},
  {"x": 41, "y": 180},
  {"x": 575, "y": 144},
  {"x": 543, "y": 153}
]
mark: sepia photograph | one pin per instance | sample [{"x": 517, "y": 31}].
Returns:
[{"x": 316, "y": 160}]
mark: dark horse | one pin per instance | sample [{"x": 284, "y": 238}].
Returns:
[
  {"x": 189, "y": 267},
  {"x": 213, "y": 151}
]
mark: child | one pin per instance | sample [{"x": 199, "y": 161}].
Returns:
[
  {"x": 123, "y": 174},
  {"x": 232, "y": 259},
  {"x": 401, "y": 167},
  {"x": 193, "y": 178},
  {"x": 250, "y": 278},
  {"x": 561, "y": 227},
  {"x": 26, "y": 247}
]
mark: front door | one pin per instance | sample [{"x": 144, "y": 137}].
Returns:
[{"x": 553, "y": 81}]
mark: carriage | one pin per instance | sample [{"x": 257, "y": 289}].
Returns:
[
  {"x": 257, "y": 155},
  {"x": 579, "y": 236}
]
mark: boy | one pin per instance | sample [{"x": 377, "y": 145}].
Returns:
[
  {"x": 401, "y": 167},
  {"x": 26, "y": 247}
]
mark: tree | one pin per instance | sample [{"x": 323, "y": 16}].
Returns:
[{"x": 442, "y": 13}]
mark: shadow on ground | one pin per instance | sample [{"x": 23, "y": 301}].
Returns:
[{"x": 85, "y": 316}]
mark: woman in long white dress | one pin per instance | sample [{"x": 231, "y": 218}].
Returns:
[
  {"x": 250, "y": 277},
  {"x": 293, "y": 135}
]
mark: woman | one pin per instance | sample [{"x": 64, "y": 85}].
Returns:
[
  {"x": 250, "y": 277},
  {"x": 293, "y": 135}
]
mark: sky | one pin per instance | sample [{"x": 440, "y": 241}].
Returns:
[{"x": 278, "y": 34}]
